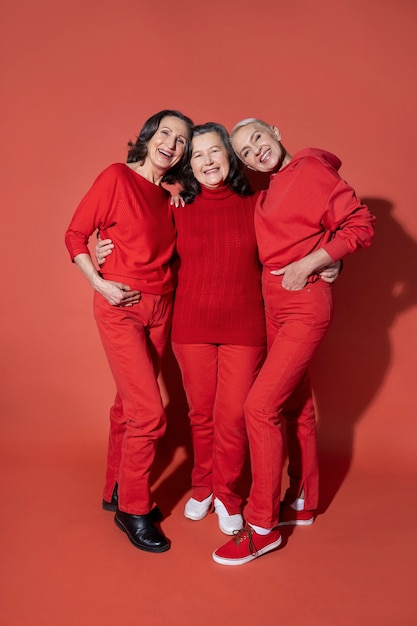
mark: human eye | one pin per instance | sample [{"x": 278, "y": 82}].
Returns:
[
  {"x": 257, "y": 136},
  {"x": 181, "y": 140}
]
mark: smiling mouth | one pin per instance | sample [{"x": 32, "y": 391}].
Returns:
[
  {"x": 168, "y": 155},
  {"x": 212, "y": 170},
  {"x": 265, "y": 155}
]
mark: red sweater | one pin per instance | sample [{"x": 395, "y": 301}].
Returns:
[
  {"x": 136, "y": 215},
  {"x": 308, "y": 206},
  {"x": 218, "y": 297}
]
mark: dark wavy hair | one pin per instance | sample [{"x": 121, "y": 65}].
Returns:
[
  {"x": 236, "y": 180},
  {"x": 138, "y": 150}
]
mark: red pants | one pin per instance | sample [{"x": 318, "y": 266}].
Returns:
[
  {"x": 217, "y": 379},
  {"x": 301, "y": 437},
  {"x": 134, "y": 339},
  {"x": 297, "y": 321}
]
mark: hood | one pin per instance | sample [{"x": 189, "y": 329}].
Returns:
[{"x": 327, "y": 158}]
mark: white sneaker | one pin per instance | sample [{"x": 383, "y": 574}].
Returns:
[
  {"x": 196, "y": 510},
  {"x": 228, "y": 524}
]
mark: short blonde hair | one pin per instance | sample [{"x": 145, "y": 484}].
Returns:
[{"x": 246, "y": 122}]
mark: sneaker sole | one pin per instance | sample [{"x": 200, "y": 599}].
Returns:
[
  {"x": 247, "y": 559},
  {"x": 298, "y": 522},
  {"x": 195, "y": 518}
]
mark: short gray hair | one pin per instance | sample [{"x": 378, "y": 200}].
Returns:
[{"x": 246, "y": 122}]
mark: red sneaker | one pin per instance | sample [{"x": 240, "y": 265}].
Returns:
[
  {"x": 246, "y": 546},
  {"x": 290, "y": 517}
]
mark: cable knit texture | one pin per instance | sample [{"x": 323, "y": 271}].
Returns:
[{"x": 218, "y": 298}]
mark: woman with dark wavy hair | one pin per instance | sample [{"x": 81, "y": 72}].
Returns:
[
  {"x": 218, "y": 327},
  {"x": 132, "y": 307},
  {"x": 236, "y": 180}
]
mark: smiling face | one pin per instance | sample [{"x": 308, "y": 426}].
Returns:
[
  {"x": 167, "y": 145},
  {"x": 209, "y": 160},
  {"x": 258, "y": 147}
]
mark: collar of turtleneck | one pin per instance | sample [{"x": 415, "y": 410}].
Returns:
[{"x": 219, "y": 193}]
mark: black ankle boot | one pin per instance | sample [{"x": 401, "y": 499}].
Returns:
[{"x": 141, "y": 532}]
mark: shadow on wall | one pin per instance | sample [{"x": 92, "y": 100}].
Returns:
[{"x": 375, "y": 287}]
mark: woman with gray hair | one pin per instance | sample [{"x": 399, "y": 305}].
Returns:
[{"x": 308, "y": 218}]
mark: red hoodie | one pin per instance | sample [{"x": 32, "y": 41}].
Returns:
[{"x": 307, "y": 207}]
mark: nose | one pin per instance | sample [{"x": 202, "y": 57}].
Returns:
[
  {"x": 171, "y": 142},
  {"x": 208, "y": 159}
]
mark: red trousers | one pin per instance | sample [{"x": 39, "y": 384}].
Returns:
[
  {"x": 134, "y": 339},
  {"x": 296, "y": 321},
  {"x": 217, "y": 379},
  {"x": 301, "y": 438}
]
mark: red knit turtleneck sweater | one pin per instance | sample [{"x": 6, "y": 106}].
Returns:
[{"x": 218, "y": 297}]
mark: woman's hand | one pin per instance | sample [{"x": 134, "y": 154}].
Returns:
[
  {"x": 331, "y": 272},
  {"x": 295, "y": 275},
  {"x": 117, "y": 294},
  {"x": 177, "y": 200},
  {"x": 104, "y": 247}
]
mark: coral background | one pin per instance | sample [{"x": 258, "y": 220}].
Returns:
[{"x": 78, "y": 80}]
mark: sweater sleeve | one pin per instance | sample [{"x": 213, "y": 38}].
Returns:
[
  {"x": 349, "y": 220},
  {"x": 93, "y": 212}
]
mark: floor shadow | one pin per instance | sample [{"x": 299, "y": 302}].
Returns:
[{"x": 375, "y": 287}]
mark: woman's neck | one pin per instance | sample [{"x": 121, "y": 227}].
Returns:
[
  {"x": 285, "y": 159},
  {"x": 147, "y": 170}
]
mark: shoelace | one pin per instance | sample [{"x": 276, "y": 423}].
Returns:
[{"x": 244, "y": 534}]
